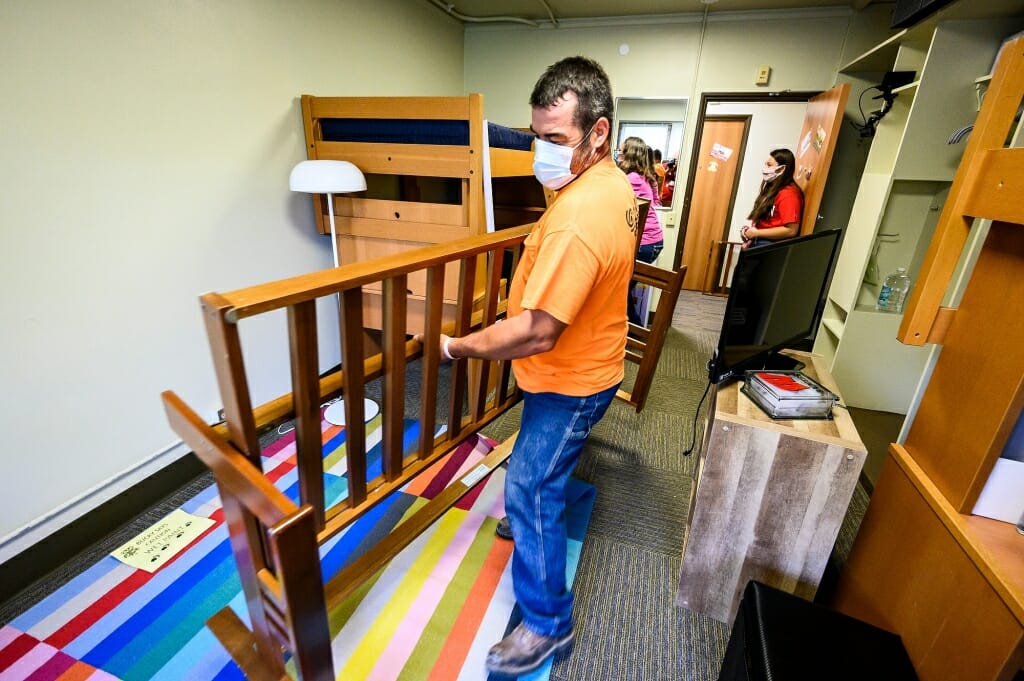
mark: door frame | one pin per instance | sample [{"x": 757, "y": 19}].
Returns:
[{"x": 702, "y": 113}]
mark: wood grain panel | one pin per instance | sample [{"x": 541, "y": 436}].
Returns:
[
  {"x": 909, "y": 575},
  {"x": 997, "y": 187},
  {"x": 420, "y": 160},
  {"x": 982, "y": 358},
  {"x": 409, "y": 211},
  {"x": 771, "y": 496}
]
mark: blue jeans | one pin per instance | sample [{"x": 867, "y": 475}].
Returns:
[
  {"x": 647, "y": 253},
  {"x": 553, "y": 431}
]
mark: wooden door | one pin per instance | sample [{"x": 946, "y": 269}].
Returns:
[
  {"x": 714, "y": 191},
  {"x": 815, "y": 146}
]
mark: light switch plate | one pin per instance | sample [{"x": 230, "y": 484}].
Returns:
[{"x": 763, "y": 74}]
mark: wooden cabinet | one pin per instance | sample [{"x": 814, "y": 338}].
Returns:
[
  {"x": 951, "y": 584},
  {"x": 906, "y": 179},
  {"x": 769, "y": 500}
]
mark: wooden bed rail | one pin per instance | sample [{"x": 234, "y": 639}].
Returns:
[{"x": 276, "y": 540}]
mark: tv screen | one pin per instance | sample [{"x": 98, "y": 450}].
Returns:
[{"x": 774, "y": 301}]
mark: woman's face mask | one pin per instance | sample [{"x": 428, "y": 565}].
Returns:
[
  {"x": 769, "y": 173},
  {"x": 552, "y": 163}
]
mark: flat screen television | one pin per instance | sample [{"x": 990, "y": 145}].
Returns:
[{"x": 775, "y": 300}]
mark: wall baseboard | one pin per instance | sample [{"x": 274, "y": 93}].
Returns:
[{"x": 49, "y": 544}]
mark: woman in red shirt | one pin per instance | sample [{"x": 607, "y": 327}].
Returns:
[{"x": 779, "y": 206}]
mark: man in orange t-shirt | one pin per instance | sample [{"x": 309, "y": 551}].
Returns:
[{"x": 566, "y": 335}]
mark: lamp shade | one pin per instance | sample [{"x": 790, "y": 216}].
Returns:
[{"x": 326, "y": 177}]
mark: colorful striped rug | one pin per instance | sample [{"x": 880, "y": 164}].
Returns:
[{"x": 431, "y": 613}]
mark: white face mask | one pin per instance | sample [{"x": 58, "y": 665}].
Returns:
[
  {"x": 769, "y": 173},
  {"x": 552, "y": 163}
]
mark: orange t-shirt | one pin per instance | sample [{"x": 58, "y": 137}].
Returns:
[{"x": 576, "y": 266}]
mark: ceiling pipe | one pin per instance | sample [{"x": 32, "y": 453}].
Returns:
[{"x": 450, "y": 9}]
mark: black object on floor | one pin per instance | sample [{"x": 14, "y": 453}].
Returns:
[{"x": 781, "y": 637}]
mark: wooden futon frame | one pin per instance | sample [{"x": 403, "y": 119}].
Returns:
[{"x": 275, "y": 541}]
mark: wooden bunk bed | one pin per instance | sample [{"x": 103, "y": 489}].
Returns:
[
  {"x": 436, "y": 172},
  {"x": 276, "y": 541},
  {"x": 950, "y": 583}
]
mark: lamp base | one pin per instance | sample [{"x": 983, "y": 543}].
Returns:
[{"x": 335, "y": 413}]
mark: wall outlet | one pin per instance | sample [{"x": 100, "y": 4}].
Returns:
[{"x": 764, "y": 72}]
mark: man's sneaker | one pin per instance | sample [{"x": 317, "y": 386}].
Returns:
[
  {"x": 504, "y": 528},
  {"x": 523, "y": 651}
]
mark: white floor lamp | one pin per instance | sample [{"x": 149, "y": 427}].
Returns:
[{"x": 331, "y": 177}]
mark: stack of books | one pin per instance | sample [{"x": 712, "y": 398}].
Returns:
[{"x": 788, "y": 395}]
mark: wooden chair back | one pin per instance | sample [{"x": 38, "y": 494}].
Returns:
[
  {"x": 275, "y": 540},
  {"x": 643, "y": 344}
]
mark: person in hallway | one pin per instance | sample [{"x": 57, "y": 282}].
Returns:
[
  {"x": 634, "y": 156},
  {"x": 659, "y": 171},
  {"x": 565, "y": 333},
  {"x": 779, "y": 206}
]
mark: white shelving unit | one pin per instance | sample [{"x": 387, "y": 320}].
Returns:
[{"x": 907, "y": 175}]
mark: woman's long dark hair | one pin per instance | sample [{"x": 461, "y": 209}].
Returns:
[
  {"x": 634, "y": 159},
  {"x": 766, "y": 198}
]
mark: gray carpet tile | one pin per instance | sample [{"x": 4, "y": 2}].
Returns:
[
  {"x": 651, "y": 438},
  {"x": 627, "y": 625},
  {"x": 641, "y": 506}
]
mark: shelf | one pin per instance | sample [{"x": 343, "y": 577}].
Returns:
[
  {"x": 878, "y": 59},
  {"x": 833, "y": 326},
  {"x": 871, "y": 309},
  {"x": 906, "y": 88}
]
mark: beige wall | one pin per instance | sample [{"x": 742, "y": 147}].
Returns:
[
  {"x": 677, "y": 56},
  {"x": 146, "y": 151}
]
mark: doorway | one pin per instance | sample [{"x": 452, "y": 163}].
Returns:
[
  {"x": 712, "y": 191},
  {"x": 808, "y": 123}
]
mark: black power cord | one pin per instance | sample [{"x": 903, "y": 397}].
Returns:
[{"x": 696, "y": 413}]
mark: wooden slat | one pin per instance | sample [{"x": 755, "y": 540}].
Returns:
[
  {"x": 297, "y": 558},
  {"x": 234, "y": 472},
  {"x": 420, "y": 233},
  {"x": 305, "y": 369},
  {"x": 463, "y": 315},
  {"x": 474, "y": 193},
  {"x": 482, "y": 379},
  {"x": 510, "y": 163},
  {"x": 234, "y": 388},
  {"x": 311, "y": 127},
  {"x": 352, "y": 389},
  {"x": 415, "y": 212},
  {"x": 419, "y": 160},
  {"x": 243, "y": 648},
  {"x": 422, "y": 108},
  {"x": 348, "y": 580},
  {"x": 431, "y": 358},
  {"x": 997, "y": 187},
  {"x": 394, "y": 375}
]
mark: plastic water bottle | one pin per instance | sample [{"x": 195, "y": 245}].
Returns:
[{"x": 894, "y": 291}]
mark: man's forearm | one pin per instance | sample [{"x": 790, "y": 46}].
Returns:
[{"x": 528, "y": 333}]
